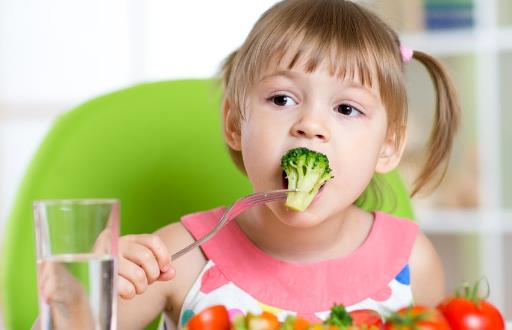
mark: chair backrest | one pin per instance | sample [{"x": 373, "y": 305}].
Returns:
[{"x": 157, "y": 147}]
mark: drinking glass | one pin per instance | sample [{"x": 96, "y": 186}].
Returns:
[{"x": 76, "y": 243}]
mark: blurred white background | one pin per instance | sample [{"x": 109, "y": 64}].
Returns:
[{"x": 55, "y": 54}]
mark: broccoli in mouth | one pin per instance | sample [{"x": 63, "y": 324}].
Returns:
[{"x": 306, "y": 171}]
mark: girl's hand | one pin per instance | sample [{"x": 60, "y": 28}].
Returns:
[{"x": 143, "y": 259}]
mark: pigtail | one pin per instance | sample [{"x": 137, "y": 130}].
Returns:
[{"x": 446, "y": 122}]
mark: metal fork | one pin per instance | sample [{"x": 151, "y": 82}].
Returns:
[{"x": 235, "y": 209}]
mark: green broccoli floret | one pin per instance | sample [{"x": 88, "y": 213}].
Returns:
[
  {"x": 306, "y": 171},
  {"x": 339, "y": 317}
]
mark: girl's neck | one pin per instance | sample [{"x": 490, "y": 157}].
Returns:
[{"x": 335, "y": 237}]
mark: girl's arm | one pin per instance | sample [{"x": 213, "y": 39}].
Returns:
[
  {"x": 165, "y": 295},
  {"x": 427, "y": 275}
]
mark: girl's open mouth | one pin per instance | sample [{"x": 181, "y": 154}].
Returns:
[{"x": 284, "y": 180}]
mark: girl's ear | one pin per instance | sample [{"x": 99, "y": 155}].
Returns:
[
  {"x": 231, "y": 126},
  {"x": 390, "y": 154}
]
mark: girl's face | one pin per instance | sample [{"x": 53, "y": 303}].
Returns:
[{"x": 340, "y": 118}]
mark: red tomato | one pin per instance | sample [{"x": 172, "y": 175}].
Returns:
[
  {"x": 366, "y": 317},
  {"x": 417, "y": 317},
  {"x": 465, "y": 314},
  {"x": 211, "y": 318}
]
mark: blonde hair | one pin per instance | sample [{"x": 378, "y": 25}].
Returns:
[{"x": 354, "y": 42}]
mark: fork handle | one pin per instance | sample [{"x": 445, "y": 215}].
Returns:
[
  {"x": 203, "y": 239},
  {"x": 185, "y": 250}
]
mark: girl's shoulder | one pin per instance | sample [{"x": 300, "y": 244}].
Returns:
[
  {"x": 426, "y": 269},
  {"x": 427, "y": 274},
  {"x": 175, "y": 236}
]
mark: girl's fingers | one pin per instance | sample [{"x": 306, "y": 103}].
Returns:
[
  {"x": 157, "y": 247},
  {"x": 134, "y": 274},
  {"x": 125, "y": 288},
  {"x": 168, "y": 275},
  {"x": 143, "y": 257}
]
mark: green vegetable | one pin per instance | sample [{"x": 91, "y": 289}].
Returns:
[
  {"x": 339, "y": 317},
  {"x": 288, "y": 323},
  {"x": 306, "y": 171},
  {"x": 239, "y": 323}
]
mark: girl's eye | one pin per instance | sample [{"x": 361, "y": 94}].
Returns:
[
  {"x": 348, "y": 110},
  {"x": 282, "y": 100}
]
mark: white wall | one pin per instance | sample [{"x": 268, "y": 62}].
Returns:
[{"x": 55, "y": 54}]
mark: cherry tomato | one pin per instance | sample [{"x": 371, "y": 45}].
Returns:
[
  {"x": 463, "y": 313},
  {"x": 417, "y": 317},
  {"x": 366, "y": 317},
  {"x": 211, "y": 318}
]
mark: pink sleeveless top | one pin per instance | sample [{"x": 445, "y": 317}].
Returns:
[{"x": 245, "y": 279}]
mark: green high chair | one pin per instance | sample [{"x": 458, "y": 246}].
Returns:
[{"x": 157, "y": 147}]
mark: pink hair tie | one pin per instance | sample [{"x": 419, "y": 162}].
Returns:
[{"x": 406, "y": 53}]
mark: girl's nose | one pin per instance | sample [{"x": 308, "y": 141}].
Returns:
[{"x": 311, "y": 126}]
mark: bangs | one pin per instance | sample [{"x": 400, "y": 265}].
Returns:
[
  {"x": 310, "y": 53},
  {"x": 337, "y": 34}
]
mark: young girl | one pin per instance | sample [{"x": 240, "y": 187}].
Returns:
[{"x": 326, "y": 75}]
